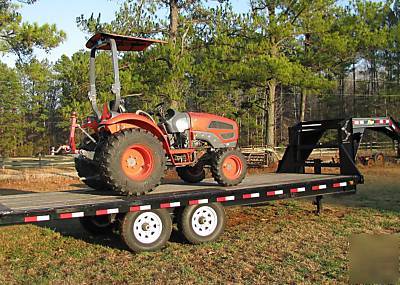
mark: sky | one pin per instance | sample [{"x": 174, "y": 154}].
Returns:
[{"x": 63, "y": 13}]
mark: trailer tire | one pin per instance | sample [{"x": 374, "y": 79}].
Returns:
[
  {"x": 191, "y": 174},
  {"x": 98, "y": 225},
  {"x": 202, "y": 223},
  {"x": 146, "y": 230}
]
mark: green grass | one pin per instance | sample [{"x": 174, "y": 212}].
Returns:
[{"x": 283, "y": 243}]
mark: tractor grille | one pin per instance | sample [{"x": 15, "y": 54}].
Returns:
[
  {"x": 220, "y": 125},
  {"x": 228, "y": 136}
]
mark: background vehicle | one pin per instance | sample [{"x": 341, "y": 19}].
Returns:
[{"x": 128, "y": 152}]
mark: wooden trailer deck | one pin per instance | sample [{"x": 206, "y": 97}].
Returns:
[{"x": 36, "y": 202}]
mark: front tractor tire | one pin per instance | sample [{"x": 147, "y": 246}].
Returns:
[
  {"x": 229, "y": 167},
  {"x": 191, "y": 174},
  {"x": 133, "y": 162}
]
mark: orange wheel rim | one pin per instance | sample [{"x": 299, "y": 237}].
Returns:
[
  {"x": 232, "y": 167},
  {"x": 137, "y": 162}
]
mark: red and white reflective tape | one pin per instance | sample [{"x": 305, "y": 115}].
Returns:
[
  {"x": 107, "y": 212},
  {"x": 298, "y": 190},
  {"x": 226, "y": 198},
  {"x": 341, "y": 184},
  {"x": 72, "y": 215},
  {"x": 318, "y": 187},
  {"x": 251, "y": 195},
  {"x": 36, "y": 219},
  {"x": 382, "y": 121},
  {"x": 139, "y": 208},
  {"x": 198, "y": 202},
  {"x": 275, "y": 193},
  {"x": 170, "y": 205},
  {"x": 364, "y": 122}
]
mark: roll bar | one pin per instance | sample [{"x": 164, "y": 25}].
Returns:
[
  {"x": 116, "y": 87},
  {"x": 115, "y": 43}
]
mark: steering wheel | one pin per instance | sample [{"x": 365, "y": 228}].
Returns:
[{"x": 159, "y": 110}]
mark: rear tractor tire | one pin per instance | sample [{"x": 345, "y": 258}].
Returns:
[
  {"x": 133, "y": 162},
  {"x": 89, "y": 173},
  {"x": 192, "y": 174},
  {"x": 229, "y": 167}
]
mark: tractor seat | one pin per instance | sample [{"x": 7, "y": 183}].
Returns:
[
  {"x": 170, "y": 114},
  {"x": 121, "y": 108}
]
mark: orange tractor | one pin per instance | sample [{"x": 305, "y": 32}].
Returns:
[{"x": 129, "y": 152}]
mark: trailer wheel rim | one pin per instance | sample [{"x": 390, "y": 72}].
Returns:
[
  {"x": 204, "y": 221},
  {"x": 147, "y": 228},
  {"x": 232, "y": 167},
  {"x": 137, "y": 162}
]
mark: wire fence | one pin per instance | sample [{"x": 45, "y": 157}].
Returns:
[
  {"x": 257, "y": 156},
  {"x": 36, "y": 162}
]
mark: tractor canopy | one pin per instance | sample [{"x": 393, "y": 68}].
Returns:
[
  {"x": 124, "y": 43},
  {"x": 115, "y": 43}
]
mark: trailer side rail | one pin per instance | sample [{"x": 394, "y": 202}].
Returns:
[{"x": 234, "y": 196}]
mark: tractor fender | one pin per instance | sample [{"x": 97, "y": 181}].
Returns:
[{"x": 129, "y": 121}]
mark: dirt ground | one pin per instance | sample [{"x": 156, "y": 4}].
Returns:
[
  {"x": 54, "y": 179},
  {"x": 281, "y": 243}
]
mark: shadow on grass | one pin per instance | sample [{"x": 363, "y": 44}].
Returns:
[
  {"x": 80, "y": 186},
  {"x": 6, "y": 192},
  {"x": 73, "y": 228},
  {"x": 379, "y": 193}
]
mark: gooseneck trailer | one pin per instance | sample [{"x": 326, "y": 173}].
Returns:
[{"x": 145, "y": 222}]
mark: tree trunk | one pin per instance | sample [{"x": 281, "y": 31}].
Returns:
[
  {"x": 303, "y": 101},
  {"x": 173, "y": 20},
  {"x": 354, "y": 90},
  {"x": 271, "y": 112}
]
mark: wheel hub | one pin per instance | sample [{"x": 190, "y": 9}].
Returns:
[
  {"x": 228, "y": 166},
  {"x": 146, "y": 227},
  {"x": 131, "y": 161}
]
